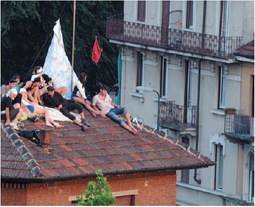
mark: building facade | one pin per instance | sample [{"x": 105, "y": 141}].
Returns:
[{"x": 182, "y": 52}]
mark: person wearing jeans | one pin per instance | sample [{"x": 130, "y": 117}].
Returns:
[
  {"x": 54, "y": 100},
  {"x": 104, "y": 102}
]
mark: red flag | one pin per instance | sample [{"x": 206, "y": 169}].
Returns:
[{"x": 96, "y": 52}]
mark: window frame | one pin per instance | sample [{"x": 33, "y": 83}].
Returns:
[
  {"x": 221, "y": 105},
  {"x": 218, "y": 174},
  {"x": 185, "y": 172},
  {"x": 163, "y": 77},
  {"x": 131, "y": 193},
  {"x": 139, "y": 76}
]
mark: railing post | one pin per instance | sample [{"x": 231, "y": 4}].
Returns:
[{"x": 229, "y": 120}]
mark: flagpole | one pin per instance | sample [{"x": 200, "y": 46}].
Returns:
[{"x": 73, "y": 44}]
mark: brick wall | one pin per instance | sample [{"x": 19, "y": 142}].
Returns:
[
  {"x": 153, "y": 189},
  {"x": 13, "y": 194}
]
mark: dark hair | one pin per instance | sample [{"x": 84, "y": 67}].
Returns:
[
  {"x": 12, "y": 81},
  {"x": 103, "y": 87},
  {"x": 82, "y": 77},
  {"x": 36, "y": 80},
  {"x": 36, "y": 68},
  {"x": 46, "y": 78},
  {"x": 50, "y": 88},
  {"x": 16, "y": 76}
]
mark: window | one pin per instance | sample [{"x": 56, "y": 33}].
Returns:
[
  {"x": 122, "y": 198},
  {"x": 218, "y": 175},
  {"x": 141, "y": 7},
  {"x": 185, "y": 173},
  {"x": 221, "y": 88},
  {"x": 163, "y": 74},
  {"x": 251, "y": 177},
  {"x": 224, "y": 18},
  {"x": 187, "y": 116},
  {"x": 139, "y": 74},
  {"x": 127, "y": 200},
  {"x": 189, "y": 14}
]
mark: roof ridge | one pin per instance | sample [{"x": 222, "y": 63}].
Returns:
[
  {"x": 169, "y": 139},
  {"x": 24, "y": 152}
]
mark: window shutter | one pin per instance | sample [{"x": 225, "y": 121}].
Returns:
[{"x": 141, "y": 10}]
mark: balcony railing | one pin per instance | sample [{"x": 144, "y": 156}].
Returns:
[
  {"x": 179, "y": 40},
  {"x": 239, "y": 127},
  {"x": 176, "y": 116}
]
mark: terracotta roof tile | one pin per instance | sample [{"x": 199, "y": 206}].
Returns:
[{"x": 104, "y": 145}]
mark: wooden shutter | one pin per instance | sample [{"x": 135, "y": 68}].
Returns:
[
  {"x": 189, "y": 14},
  {"x": 165, "y": 21},
  {"x": 141, "y": 10}
]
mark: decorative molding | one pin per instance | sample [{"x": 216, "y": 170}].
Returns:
[
  {"x": 218, "y": 112},
  {"x": 125, "y": 193},
  {"x": 186, "y": 54},
  {"x": 151, "y": 62},
  {"x": 128, "y": 58},
  {"x": 218, "y": 139},
  {"x": 204, "y": 72},
  {"x": 174, "y": 67},
  {"x": 115, "y": 194},
  {"x": 233, "y": 77}
]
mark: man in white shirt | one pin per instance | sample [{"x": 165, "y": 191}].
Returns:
[
  {"x": 104, "y": 102},
  {"x": 79, "y": 94}
]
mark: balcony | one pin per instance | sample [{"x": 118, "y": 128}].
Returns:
[
  {"x": 177, "y": 117},
  {"x": 238, "y": 128},
  {"x": 172, "y": 39}
]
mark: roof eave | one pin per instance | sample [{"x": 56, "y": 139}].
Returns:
[
  {"x": 120, "y": 173},
  {"x": 245, "y": 59}
]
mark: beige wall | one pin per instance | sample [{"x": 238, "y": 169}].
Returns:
[{"x": 246, "y": 88}]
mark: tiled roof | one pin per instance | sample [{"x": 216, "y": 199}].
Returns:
[
  {"x": 13, "y": 165},
  {"x": 104, "y": 145},
  {"x": 246, "y": 50}
]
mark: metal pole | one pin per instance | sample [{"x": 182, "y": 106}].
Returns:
[{"x": 73, "y": 45}]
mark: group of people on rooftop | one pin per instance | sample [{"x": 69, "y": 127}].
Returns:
[{"x": 36, "y": 96}]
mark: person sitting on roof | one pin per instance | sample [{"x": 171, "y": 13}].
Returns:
[
  {"x": 31, "y": 108},
  {"x": 9, "y": 105},
  {"x": 45, "y": 80},
  {"x": 104, "y": 102},
  {"x": 79, "y": 95},
  {"x": 54, "y": 99}
]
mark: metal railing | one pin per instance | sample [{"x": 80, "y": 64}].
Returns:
[
  {"x": 177, "y": 116},
  {"x": 180, "y": 40},
  {"x": 239, "y": 124}
]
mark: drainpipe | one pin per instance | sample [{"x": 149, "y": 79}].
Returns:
[{"x": 198, "y": 181}]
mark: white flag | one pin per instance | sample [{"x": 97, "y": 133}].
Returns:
[{"x": 57, "y": 65}]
